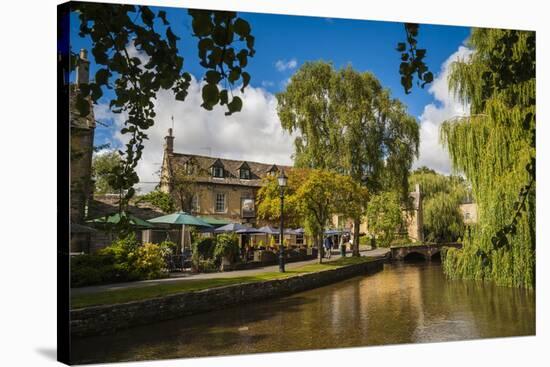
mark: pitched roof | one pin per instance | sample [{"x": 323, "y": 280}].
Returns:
[
  {"x": 104, "y": 205},
  {"x": 231, "y": 168}
]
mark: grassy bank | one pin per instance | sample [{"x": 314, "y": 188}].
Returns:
[{"x": 188, "y": 285}]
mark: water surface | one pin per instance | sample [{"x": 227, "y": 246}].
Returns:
[{"x": 404, "y": 303}]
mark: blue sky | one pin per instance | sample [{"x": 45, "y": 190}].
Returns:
[{"x": 285, "y": 42}]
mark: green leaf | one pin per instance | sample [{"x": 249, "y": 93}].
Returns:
[
  {"x": 246, "y": 80},
  {"x": 162, "y": 16},
  {"x": 235, "y": 105},
  {"x": 241, "y": 26},
  {"x": 147, "y": 15},
  {"x": 224, "y": 97},
  {"x": 102, "y": 76},
  {"x": 172, "y": 38},
  {"x": 210, "y": 94},
  {"x": 212, "y": 77}
]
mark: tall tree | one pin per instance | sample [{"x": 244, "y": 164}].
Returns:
[
  {"x": 347, "y": 123},
  {"x": 495, "y": 148}
]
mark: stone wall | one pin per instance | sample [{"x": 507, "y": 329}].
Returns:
[{"x": 110, "y": 318}]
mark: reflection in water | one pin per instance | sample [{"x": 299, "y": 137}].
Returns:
[{"x": 404, "y": 303}]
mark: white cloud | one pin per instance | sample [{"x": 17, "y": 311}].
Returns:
[
  {"x": 282, "y": 65},
  {"x": 432, "y": 153},
  {"x": 254, "y": 134},
  {"x": 267, "y": 83}
]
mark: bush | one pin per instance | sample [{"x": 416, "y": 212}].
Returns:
[
  {"x": 147, "y": 262},
  {"x": 207, "y": 266},
  {"x": 169, "y": 246},
  {"x": 124, "y": 260},
  {"x": 227, "y": 247},
  {"x": 201, "y": 251},
  {"x": 92, "y": 269}
]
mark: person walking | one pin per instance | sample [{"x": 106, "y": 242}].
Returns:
[{"x": 328, "y": 246}]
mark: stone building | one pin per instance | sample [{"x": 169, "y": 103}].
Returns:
[
  {"x": 221, "y": 188},
  {"x": 81, "y": 150}
]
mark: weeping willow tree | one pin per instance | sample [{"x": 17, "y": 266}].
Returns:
[
  {"x": 441, "y": 199},
  {"x": 495, "y": 148}
]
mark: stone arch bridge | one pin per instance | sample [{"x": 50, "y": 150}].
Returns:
[{"x": 426, "y": 250}]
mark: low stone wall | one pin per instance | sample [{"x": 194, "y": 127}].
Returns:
[
  {"x": 107, "y": 319},
  {"x": 259, "y": 264}
]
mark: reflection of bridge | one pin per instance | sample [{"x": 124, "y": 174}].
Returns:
[{"x": 428, "y": 251}]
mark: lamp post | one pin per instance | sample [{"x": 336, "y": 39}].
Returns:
[{"x": 282, "y": 180}]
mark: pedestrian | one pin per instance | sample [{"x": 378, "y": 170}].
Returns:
[
  {"x": 342, "y": 245},
  {"x": 328, "y": 246}
]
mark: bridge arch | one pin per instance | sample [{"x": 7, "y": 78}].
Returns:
[
  {"x": 415, "y": 256},
  {"x": 436, "y": 256}
]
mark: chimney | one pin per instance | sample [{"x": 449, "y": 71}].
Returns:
[
  {"x": 83, "y": 68},
  {"x": 169, "y": 142}
]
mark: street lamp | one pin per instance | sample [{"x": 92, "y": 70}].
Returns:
[{"x": 282, "y": 180}]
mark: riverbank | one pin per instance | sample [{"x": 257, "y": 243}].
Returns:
[{"x": 115, "y": 310}]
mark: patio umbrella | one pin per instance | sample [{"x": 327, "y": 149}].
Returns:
[
  {"x": 248, "y": 230},
  {"x": 268, "y": 230},
  {"x": 183, "y": 219},
  {"x": 114, "y": 219},
  {"x": 216, "y": 222},
  {"x": 299, "y": 231},
  {"x": 231, "y": 227},
  {"x": 79, "y": 228}
]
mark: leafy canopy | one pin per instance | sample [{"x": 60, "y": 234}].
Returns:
[
  {"x": 385, "y": 217},
  {"x": 495, "y": 149}
]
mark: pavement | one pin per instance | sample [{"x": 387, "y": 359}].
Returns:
[{"x": 182, "y": 277}]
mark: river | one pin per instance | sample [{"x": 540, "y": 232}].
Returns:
[{"x": 404, "y": 303}]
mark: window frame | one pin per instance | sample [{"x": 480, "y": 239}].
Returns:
[
  {"x": 216, "y": 202},
  {"x": 218, "y": 169},
  {"x": 248, "y": 176}
]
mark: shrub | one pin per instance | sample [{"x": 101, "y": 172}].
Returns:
[
  {"x": 202, "y": 250},
  {"x": 227, "y": 246},
  {"x": 207, "y": 266},
  {"x": 204, "y": 247},
  {"x": 124, "y": 260},
  {"x": 169, "y": 246},
  {"x": 92, "y": 269},
  {"x": 147, "y": 261}
]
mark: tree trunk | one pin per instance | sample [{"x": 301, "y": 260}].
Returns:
[
  {"x": 355, "y": 245},
  {"x": 319, "y": 241}
]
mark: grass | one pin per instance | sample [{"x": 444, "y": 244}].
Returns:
[{"x": 188, "y": 285}]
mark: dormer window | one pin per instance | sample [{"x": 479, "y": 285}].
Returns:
[
  {"x": 244, "y": 173},
  {"x": 217, "y": 169},
  {"x": 273, "y": 171},
  {"x": 217, "y": 172}
]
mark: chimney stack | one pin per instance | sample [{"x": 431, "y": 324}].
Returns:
[
  {"x": 83, "y": 68},
  {"x": 169, "y": 142}
]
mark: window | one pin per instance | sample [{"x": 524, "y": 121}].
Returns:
[
  {"x": 220, "y": 203},
  {"x": 245, "y": 174},
  {"x": 217, "y": 172},
  {"x": 467, "y": 216},
  {"x": 195, "y": 203}
]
